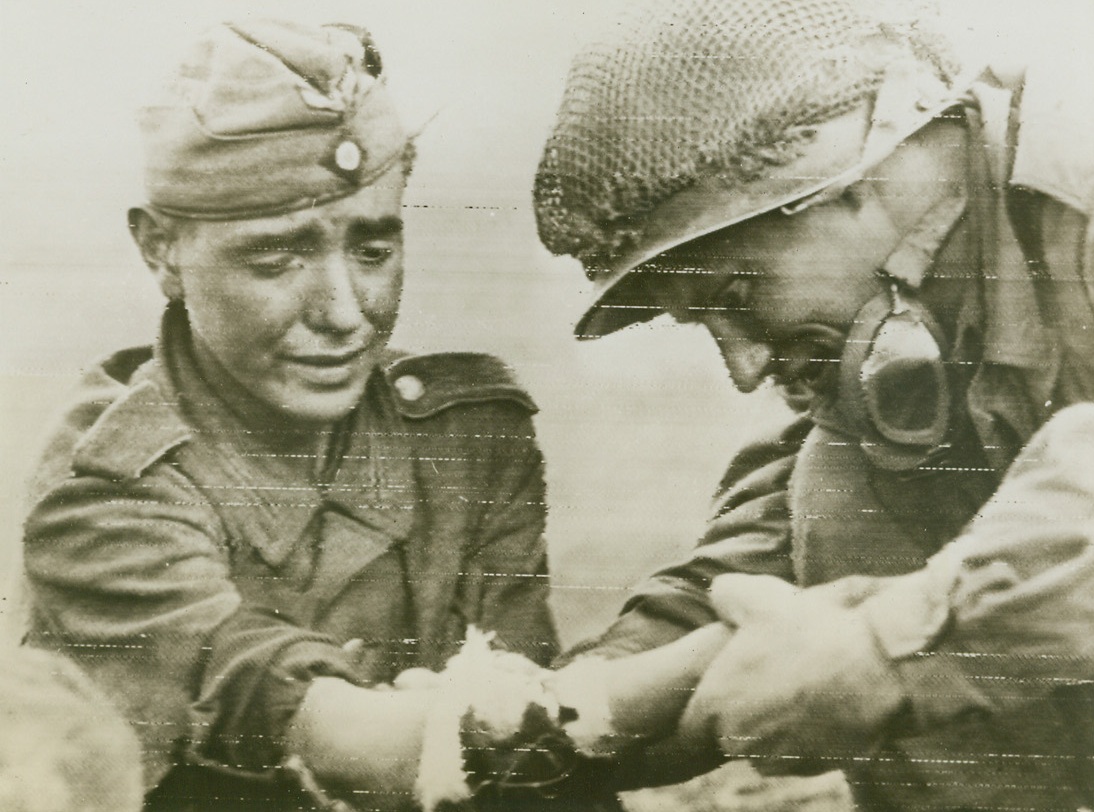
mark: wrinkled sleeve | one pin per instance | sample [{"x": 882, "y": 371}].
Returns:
[
  {"x": 509, "y": 562},
  {"x": 749, "y": 532},
  {"x": 131, "y": 580},
  {"x": 1004, "y": 613}
]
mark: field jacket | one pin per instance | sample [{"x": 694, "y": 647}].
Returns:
[{"x": 202, "y": 577}]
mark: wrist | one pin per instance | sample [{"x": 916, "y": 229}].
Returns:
[{"x": 584, "y": 688}]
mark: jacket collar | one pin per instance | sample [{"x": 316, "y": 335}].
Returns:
[
  {"x": 1020, "y": 354},
  {"x": 1013, "y": 331},
  {"x": 262, "y": 488}
]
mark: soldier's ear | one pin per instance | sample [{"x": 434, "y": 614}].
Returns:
[{"x": 155, "y": 237}]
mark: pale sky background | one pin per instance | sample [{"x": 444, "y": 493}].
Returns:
[{"x": 637, "y": 428}]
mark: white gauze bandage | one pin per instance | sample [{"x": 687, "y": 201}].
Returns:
[{"x": 497, "y": 687}]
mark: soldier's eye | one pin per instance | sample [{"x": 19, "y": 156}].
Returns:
[
  {"x": 372, "y": 253},
  {"x": 272, "y": 265},
  {"x": 734, "y": 297}
]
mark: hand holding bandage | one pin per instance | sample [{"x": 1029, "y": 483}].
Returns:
[
  {"x": 492, "y": 723},
  {"x": 802, "y": 686},
  {"x": 501, "y": 728}
]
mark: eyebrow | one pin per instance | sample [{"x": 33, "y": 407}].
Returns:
[
  {"x": 376, "y": 227},
  {"x": 310, "y": 236},
  {"x": 302, "y": 238}
]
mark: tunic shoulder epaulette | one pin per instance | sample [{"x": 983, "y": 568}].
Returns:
[
  {"x": 134, "y": 432},
  {"x": 424, "y": 385}
]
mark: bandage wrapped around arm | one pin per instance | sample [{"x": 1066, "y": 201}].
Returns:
[{"x": 502, "y": 728}]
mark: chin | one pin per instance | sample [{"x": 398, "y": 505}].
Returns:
[
  {"x": 797, "y": 396},
  {"x": 321, "y": 407}
]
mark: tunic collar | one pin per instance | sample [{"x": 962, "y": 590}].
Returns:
[{"x": 254, "y": 475}]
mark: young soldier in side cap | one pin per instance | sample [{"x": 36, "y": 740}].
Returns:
[
  {"x": 908, "y": 254},
  {"x": 241, "y": 532}
]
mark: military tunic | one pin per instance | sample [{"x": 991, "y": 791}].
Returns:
[{"x": 202, "y": 575}]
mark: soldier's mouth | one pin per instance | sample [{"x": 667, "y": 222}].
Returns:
[
  {"x": 327, "y": 359},
  {"x": 326, "y": 370},
  {"x": 807, "y": 365}
]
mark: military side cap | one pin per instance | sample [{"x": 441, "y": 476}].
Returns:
[{"x": 266, "y": 117}]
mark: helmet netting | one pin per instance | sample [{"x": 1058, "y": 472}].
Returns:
[{"x": 682, "y": 89}]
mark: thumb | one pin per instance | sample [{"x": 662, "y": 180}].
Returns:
[{"x": 742, "y": 599}]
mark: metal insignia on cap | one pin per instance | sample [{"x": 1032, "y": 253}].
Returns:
[
  {"x": 347, "y": 156},
  {"x": 409, "y": 387}
]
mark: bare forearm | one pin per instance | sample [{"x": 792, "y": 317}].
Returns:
[
  {"x": 650, "y": 690},
  {"x": 645, "y": 693},
  {"x": 355, "y": 738}
]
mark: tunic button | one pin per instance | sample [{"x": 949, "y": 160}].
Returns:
[
  {"x": 409, "y": 387},
  {"x": 347, "y": 156}
]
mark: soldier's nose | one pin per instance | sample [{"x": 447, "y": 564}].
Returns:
[
  {"x": 748, "y": 365},
  {"x": 748, "y": 361},
  {"x": 335, "y": 305}
]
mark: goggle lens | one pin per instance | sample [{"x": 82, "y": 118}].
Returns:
[{"x": 904, "y": 382}]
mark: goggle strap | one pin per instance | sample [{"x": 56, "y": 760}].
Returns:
[{"x": 916, "y": 253}]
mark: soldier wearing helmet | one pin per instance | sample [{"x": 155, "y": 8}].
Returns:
[
  {"x": 904, "y": 247},
  {"x": 247, "y": 532}
]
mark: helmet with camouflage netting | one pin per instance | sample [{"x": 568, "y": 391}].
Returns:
[{"x": 688, "y": 116}]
